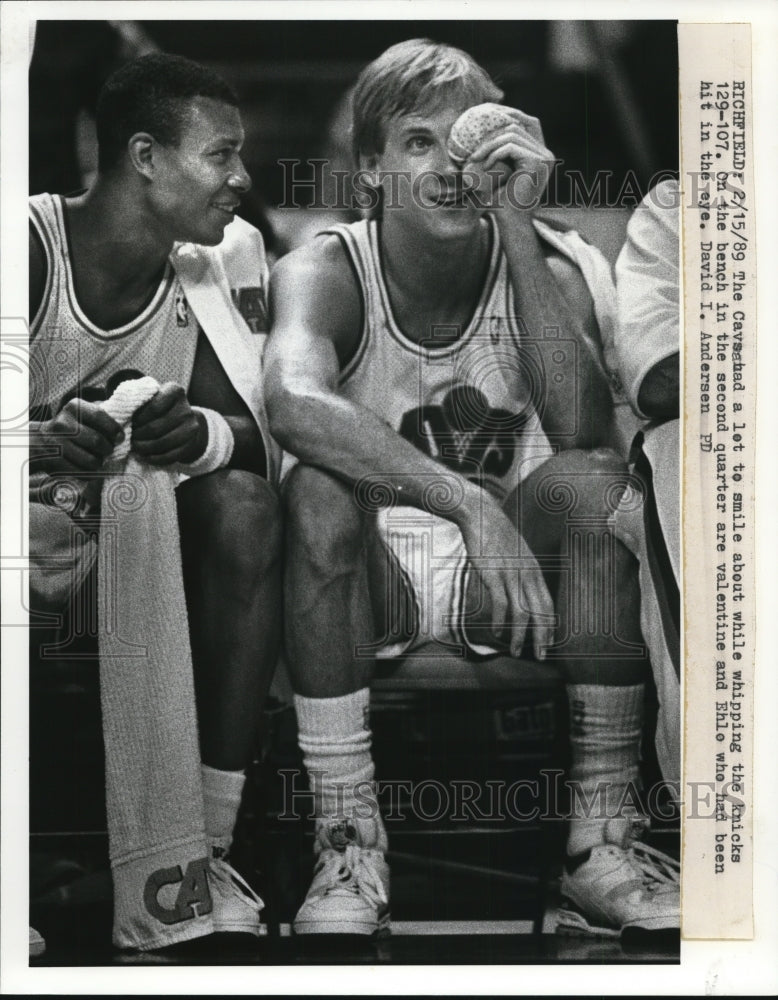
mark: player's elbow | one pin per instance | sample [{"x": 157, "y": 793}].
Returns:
[{"x": 282, "y": 415}]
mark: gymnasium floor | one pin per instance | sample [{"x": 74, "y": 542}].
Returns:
[
  {"x": 76, "y": 921},
  {"x": 480, "y": 892}
]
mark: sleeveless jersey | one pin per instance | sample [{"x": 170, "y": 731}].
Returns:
[
  {"x": 71, "y": 356},
  {"x": 468, "y": 402}
]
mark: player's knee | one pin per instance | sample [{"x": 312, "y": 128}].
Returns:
[
  {"x": 235, "y": 517},
  {"x": 584, "y": 483},
  {"x": 603, "y": 488},
  {"x": 324, "y": 525},
  {"x": 249, "y": 523}
]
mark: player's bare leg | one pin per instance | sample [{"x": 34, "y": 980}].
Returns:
[
  {"x": 563, "y": 510},
  {"x": 325, "y": 585},
  {"x": 231, "y": 551},
  {"x": 332, "y": 622},
  {"x": 231, "y": 555}
]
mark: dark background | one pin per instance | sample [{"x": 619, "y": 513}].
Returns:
[{"x": 605, "y": 92}]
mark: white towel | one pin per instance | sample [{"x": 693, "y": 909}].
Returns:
[
  {"x": 152, "y": 758},
  {"x": 647, "y": 276},
  {"x": 212, "y": 279}
]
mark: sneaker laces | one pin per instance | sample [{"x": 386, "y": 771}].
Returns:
[
  {"x": 223, "y": 872},
  {"x": 353, "y": 870},
  {"x": 657, "y": 870}
]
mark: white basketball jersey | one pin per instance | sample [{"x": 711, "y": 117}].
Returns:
[
  {"x": 469, "y": 400},
  {"x": 71, "y": 356}
]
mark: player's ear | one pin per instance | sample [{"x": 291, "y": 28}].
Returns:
[
  {"x": 368, "y": 166},
  {"x": 141, "y": 151}
]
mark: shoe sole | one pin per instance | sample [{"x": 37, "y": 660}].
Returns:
[
  {"x": 570, "y": 923},
  {"x": 225, "y": 927},
  {"x": 382, "y": 929},
  {"x": 574, "y": 924}
]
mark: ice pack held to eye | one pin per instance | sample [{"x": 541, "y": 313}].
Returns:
[{"x": 473, "y": 126}]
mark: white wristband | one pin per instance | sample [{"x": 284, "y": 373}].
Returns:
[{"x": 218, "y": 450}]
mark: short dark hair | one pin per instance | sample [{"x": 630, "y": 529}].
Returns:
[{"x": 149, "y": 95}]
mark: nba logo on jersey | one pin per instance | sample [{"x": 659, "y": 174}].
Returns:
[
  {"x": 494, "y": 329},
  {"x": 182, "y": 309}
]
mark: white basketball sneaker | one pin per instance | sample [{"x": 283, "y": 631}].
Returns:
[
  {"x": 236, "y": 907},
  {"x": 349, "y": 893},
  {"x": 620, "y": 884}
]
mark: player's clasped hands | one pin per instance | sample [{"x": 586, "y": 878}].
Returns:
[
  {"x": 167, "y": 430},
  {"x": 75, "y": 442},
  {"x": 79, "y": 439},
  {"x": 513, "y": 579}
]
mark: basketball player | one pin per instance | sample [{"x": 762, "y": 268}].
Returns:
[
  {"x": 647, "y": 358},
  {"x": 407, "y": 366},
  {"x": 106, "y": 304}
]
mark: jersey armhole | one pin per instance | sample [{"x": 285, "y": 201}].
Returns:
[
  {"x": 350, "y": 362},
  {"x": 35, "y": 313}
]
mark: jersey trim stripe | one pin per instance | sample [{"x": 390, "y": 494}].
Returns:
[
  {"x": 119, "y": 332},
  {"x": 352, "y": 254},
  {"x": 41, "y": 229},
  {"x": 393, "y": 326}
]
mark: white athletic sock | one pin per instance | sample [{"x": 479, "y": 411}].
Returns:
[
  {"x": 334, "y": 735},
  {"x": 222, "y": 792},
  {"x": 606, "y": 725}
]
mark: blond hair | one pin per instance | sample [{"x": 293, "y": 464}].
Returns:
[{"x": 411, "y": 75}]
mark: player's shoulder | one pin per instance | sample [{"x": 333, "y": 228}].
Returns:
[
  {"x": 315, "y": 285},
  {"x": 324, "y": 254},
  {"x": 318, "y": 272}
]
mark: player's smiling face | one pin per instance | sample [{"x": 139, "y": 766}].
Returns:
[
  {"x": 198, "y": 183},
  {"x": 420, "y": 180}
]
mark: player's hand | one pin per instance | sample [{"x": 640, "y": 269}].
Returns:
[
  {"x": 166, "y": 430},
  {"x": 512, "y": 577},
  {"x": 512, "y": 166},
  {"x": 76, "y": 442}
]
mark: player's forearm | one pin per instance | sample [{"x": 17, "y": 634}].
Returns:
[
  {"x": 541, "y": 305},
  {"x": 350, "y": 441}
]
